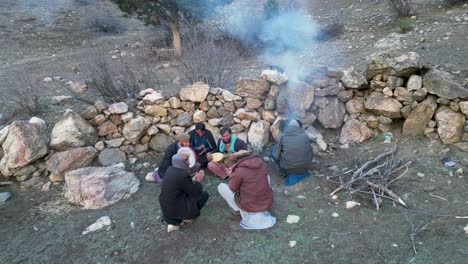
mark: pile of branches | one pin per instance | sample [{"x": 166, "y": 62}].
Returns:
[{"x": 374, "y": 177}]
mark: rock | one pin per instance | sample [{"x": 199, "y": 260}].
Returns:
[
  {"x": 441, "y": 84},
  {"x": 295, "y": 99},
  {"x": 443, "y": 101},
  {"x": 419, "y": 118},
  {"x": 345, "y": 95},
  {"x": 329, "y": 90},
  {"x": 292, "y": 219},
  {"x": 462, "y": 145},
  {"x": 354, "y": 131},
  {"x": 25, "y": 171},
  {"x": 134, "y": 129},
  {"x": 420, "y": 94},
  {"x": 118, "y": 108},
  {"x": 454, "y": 106},
  {"x": 414, "y": 83},
  {"x": 313, "y": 133},
  {"x": 127, "y": 117},
  {"x": 153, "y": 98},
  {"x": 466, "y": 229},
  {"x": 100, "y": 223},
  {"x": 184, "y": 120},
  {"x": 62, "y": 99},
  {"x": 387, "y": 92},
  {"x": 352, "y": 79},
  {"x": 4, "y": 196},
  {"x": 253, "y": 103},
  {"x": 196, "y": 92},
  {"x": 214, "y": 121},
  {"x": 259, "y": 135},
  {"x": 152, "y": 130},
  {"x": 382, "y": 105},
  {"x": 89, "y": 112},
  {"x": 390, "y": 42},
  {"x": 72, "y": 131},
  {"x": 321, "y": 102},
  {"x": 78, "y": 87},
  {"x": 115, "y": 143},
  {"x": 165, "y": 128},
  {"x": 378, "y": 84},
  {"x": 449, "y": 125},
  {"x": 274, "y": 128},
  {"x": 351, "y": 204},
  {"x": 463, "y": 108},
  {"x": 237, "y": 128},
  {"x": 199, "y": 116},
  {"x": 160, "y": 142},
  {"x": 403, "y": 65},
  {"x": 229, "y": 97},
  {"x": 257, "y": 89},
  {"x": 139, "y": 148},
  {"x": 274, "y": 76},
  {"x": 268, "y": 116},
  {"x": 46, "y": 187},
  {"x": 111, "y": 156},
  {"x": 269, "y": 103},
  {"x": 101, "y": 106},
  {"x": 146, "y": 91},
  {"x": 4, "y": 133},
  {"x": 226, "y": 121},
  {"x": 332, "y": 115},
  {"x": 25, "y": 142},
  {"x": 355, "y": 105},
  {"x": 292, "y": 243},
  {"x": 155, "y": 110},
  {"x": 188, "y": 106},
  {"x": 394, "y": 82},
  {"x": 242, "y": 114},
  {"x": 107, "y": 128},
  {"x": 402, "y": 95},
  {"x": 384, "y": 120},
  {"x": 62, "y": 162}
]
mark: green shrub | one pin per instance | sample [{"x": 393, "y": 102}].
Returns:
[{"x": 405, "y": 24}]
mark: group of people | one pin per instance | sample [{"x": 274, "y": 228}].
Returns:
[{"x": 248, "y": 192}]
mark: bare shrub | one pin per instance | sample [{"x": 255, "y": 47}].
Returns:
[
  {"x": 100, "y": 21},
  {"x": 402, "y": 8},
  {"x": 23, "y": 102},
  {"x": 333, "y": 29},
  {"x": 455, "y": 2},
  {"x": 204, "y": 60}
]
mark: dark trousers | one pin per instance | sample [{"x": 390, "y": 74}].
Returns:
[
  {"x": 282, "y": 171},
  {"x": 201, "y": 201}
]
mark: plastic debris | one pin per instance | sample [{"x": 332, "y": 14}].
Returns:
[
  {"x": 351, "y": 204},
  {"x": 100, "y": 223},
  {"x": 292, "y": 219},
  {"x": 292, "y": 243}
]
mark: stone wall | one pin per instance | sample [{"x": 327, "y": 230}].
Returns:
[{"x": 359, "y": 105}]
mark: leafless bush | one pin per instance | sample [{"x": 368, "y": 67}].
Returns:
[
  {"x": 454, "y": 2},
  {"x": 205, "y": 60},
  {"x": 402, "y": 8},
  {"x": 103, "y": 22},
  {"x": 21, "y": 103}
]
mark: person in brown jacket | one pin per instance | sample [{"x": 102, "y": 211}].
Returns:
[{"x": 249, "y": 192}]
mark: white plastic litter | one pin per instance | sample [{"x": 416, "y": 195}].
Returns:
[
  {"x": 100, "y": 223},
  {"x": 292, "y": 219}
]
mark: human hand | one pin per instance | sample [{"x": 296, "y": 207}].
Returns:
[
  {"x": 199, "y": 176},
  {"x": 209, "y": 157},
  {"x": 232, "y": 157}
]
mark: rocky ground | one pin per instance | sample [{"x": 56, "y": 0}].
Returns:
[{"x": 41, "y": 226}]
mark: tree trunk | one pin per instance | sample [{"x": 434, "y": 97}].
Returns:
[{"x": 174, "y": 25}]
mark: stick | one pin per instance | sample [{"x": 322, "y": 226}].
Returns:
[
  {"x": 436, "y": 196},
  {"x": 388, "y": 191}
]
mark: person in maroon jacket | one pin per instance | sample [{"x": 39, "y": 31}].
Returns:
[{"x": 249, "y": 192}]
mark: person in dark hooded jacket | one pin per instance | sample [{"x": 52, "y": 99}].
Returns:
[
  {"x": 181, "y": 197},
  {"x": 202, "y": 141},
  {"x": 293, "y": 153}
]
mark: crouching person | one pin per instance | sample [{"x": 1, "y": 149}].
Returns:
[
  {"x": 181, "y": 197},
  {"x": 249, "y": 192}
]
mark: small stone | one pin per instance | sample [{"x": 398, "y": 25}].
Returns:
[
  {"x": 429, "y": 188},
  {"x": 420, "y": 174},
  {"x": 351, "y": 204},
  {"x": 292, "y": 243},
  {"x": 4, "y": 196},
  {"x": 100, "y": 223},
  {"x": 335, "y": 215},
  {"x": 48, "y": 79},
  {"x": 146, "y": 165},
  {"x": 466, "y": 229},
  {"x": 292, "y": 219},
  {"x": 459, "y": 171},
  {"x": 334, "y": 197},
  {"x": 46, "y": 187}
]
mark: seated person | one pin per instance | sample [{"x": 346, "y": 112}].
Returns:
[
  {"x": 293, "y": 153},
  {"x": 202, "y": 141},
  {"x": 249, "y": 192},
  {"x": 228, "y": 144},
  {"x": 182, "y": 140},
  {"x": 181, "y": 197}
]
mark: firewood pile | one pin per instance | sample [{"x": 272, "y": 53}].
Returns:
[{"x": 374, "y": 177}]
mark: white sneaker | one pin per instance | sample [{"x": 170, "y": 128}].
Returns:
[
  {"x": 149, "y": 177},
  {"x": 171, "y": 228}
]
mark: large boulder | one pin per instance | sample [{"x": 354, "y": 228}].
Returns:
[
  {"x": 259, "y": 135},
  {"x": 403, "y": 65},
  {"x": 184, "y": 119},
  {"x": 62, "y": 162},
  {"x": 354, "y": 131},
  {"x": 134, "y": 129},
  {"x": 449, "y": 125},
  {"x": 418, "y": 119},
  {"x": 160, "y": 141},
  {"x": 295, "y": 98},
  {"x": 98, "y": 187},
  {"x": 252, "y": 88},
  {"x": 332, "y": 115},
  {"x": 382, "y": 105},
  {"x": 4, "y": 133},
  {"x": 441, "y": 84},
  {"x": 352, "y": 79},
  {"x": 111, "y": 156},
  {"x": 196, "y": 92},
  {"x": 72, "y": 131},
  {"x": 25, "y": 142}
]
